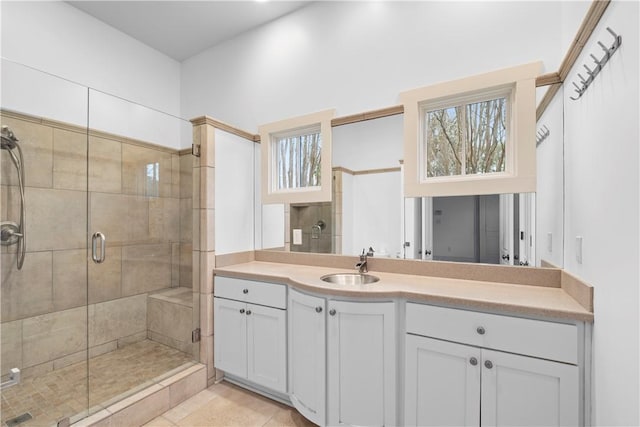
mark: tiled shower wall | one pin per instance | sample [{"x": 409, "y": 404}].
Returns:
[{"x": 139, "y": 197}]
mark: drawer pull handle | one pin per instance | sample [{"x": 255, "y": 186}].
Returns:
[
  {"x": 473, "y": 361},
  {"x": 488, "y": 364},
  {"x": 318, "y": 309},
  {"x": 332, "y": 312},
  {"x": 245, "y": 291},
  {"x": 248, "y": 312},
  {"x": 242, "y": 311},
  {"x": 480, "y": 330}
]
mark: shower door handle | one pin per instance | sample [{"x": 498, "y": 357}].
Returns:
[{"x": 98, "y": 259}]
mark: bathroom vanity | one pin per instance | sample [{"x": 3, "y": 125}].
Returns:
[{"x": 407, "y": 350}]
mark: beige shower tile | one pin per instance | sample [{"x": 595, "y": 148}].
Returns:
[
  {"x": 11, "y": 350},
  {"x": 186, "y": 265},
  {"x": 54, "y": 335},
  {"x": 159, "y": 422},
  {"x": 188, "y": 386},
  {"x": 69, "y": 160},
  {"x": 144, "y": 410},
  {"x": 195, "y": 178},
  {"x": 36, "y": 142},
  {"x": 145, "y": 268},
  {"x": 197, "y": 140},
  {"x": 105, "y": 165},
  {"x": 26, "y": 292},
  {"x": 189, "y": 406},
  {"x": 207, "y": 187},
  {"x": 207, "y": 264},
  {"x": 207, "y": 230},
  {"x": 175, "y": 176},
  {"x": 112, "y": 320},
  {"x": 195, "y": 224},
  {"x": 175, "y": 265},
  {"x": 169, "y": 319},
  {"x": 105, "y": 279},
  {"x": 146, "y": 171},
  {"x": 69, "y": 279},
  {"x": 56, "y": 219},
  {"x": 186, "y": 220},
  {"x": 186, "y": 176},
  {"x": 120, "y": 218},
  {"x": 164, "y": 219},
  {"x": 195, "y": 271}
]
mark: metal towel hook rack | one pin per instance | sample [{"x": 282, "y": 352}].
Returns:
[
  {"x": 591, "y": 74},
  {"x": 542, "y": 134}
]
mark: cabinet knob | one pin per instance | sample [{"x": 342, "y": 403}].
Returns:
[
  {"x": 318, "y": 309},
  {"x": 242, "y": 311},
  {"x": 488, "y": 364},
  {"x": 248, "y": 312},
  {"x": 480, "y": 330},
  {"x": 245, "y": 291},
  {"x": 332, "y": 312},
  {"x": 473, "y": 361}
]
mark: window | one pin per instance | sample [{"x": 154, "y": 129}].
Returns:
[
  {"x": 472, "y": 136},
  {"x": 296, "y": 159}
]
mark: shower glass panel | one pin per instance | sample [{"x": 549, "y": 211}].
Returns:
[
  {"x": 43, "y": 269},
  {"x": 142, "y": 308}
]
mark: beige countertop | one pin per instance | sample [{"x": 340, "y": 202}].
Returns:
[{"x": 551, "y": 302}]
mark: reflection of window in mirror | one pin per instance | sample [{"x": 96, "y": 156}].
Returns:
[
  {"x": 296, "y": 159},
  {"x": 472, "y": 136}
]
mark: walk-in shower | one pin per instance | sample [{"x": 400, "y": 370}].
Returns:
[
  {"x": 95, "y": 192},
  {"x": 12, "y": 233}
]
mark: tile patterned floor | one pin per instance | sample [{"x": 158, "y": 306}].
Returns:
[
  {"x": 227, "y": 405},
  {"x": 63, "y": 392}
]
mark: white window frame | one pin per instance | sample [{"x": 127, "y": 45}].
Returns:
[
  {"x": 290, "y": 127},
  {"x": 520, "y": 167}
]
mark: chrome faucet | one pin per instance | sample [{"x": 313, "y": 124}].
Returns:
[{"x": 362, "y": 265}]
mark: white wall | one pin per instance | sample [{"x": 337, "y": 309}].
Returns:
[
  {"x": 550, "y": 184},
  {"x": 602, "y": 206},
  {"x": 357, "y": 56},
  {"x": 59, "y": 39},
  {"x": 234, "y": 193}
]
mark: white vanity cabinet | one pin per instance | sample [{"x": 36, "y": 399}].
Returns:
[
  {"x": 361, "y": 363},
  {"x": 478, "y": 379},
  {"x": 307, "y": 355},
  {"x": 250, "y": 331},
  {"x": 342, "y": 360}
]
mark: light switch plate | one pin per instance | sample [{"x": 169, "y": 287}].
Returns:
[{"x": 297, "y": 236}]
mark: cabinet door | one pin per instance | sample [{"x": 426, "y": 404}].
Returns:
[
  {"x": 361, "y": 364},
  {"x": 442, "y": 383},
  {"x": 267, "y": 347},
  {"x": 230, "y": 336},
  {"x": 524, "y": 391},
  {"x": 307, "y": 355}
]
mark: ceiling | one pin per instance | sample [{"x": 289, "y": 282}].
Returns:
[{"x": 181, "y": 29}]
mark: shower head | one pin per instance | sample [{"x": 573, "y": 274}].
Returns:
[{"x": 9, "y": 140}]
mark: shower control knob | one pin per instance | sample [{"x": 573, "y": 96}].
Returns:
[
  {"x": 318, "y": 309},
  {"x": 248, "y": 312},
  {"x": 242, "y": 311},
  {"x": 245, "y": 291}
]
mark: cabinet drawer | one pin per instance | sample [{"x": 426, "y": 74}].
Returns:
[
  {"x": 263, "y": 293},
  {"x": 548, "y": 340}
]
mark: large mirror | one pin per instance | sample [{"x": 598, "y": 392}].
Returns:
[{"x": 368, "y": 210}]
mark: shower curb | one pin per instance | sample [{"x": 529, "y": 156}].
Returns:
[{"x": 153, "y": 401}]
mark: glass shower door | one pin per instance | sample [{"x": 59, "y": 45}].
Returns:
[
  {"x": 43, "y": 180},
  {"x": 142, "y": 306}
]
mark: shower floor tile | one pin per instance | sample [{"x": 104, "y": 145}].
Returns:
[{"x": 63, "y": 392}]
